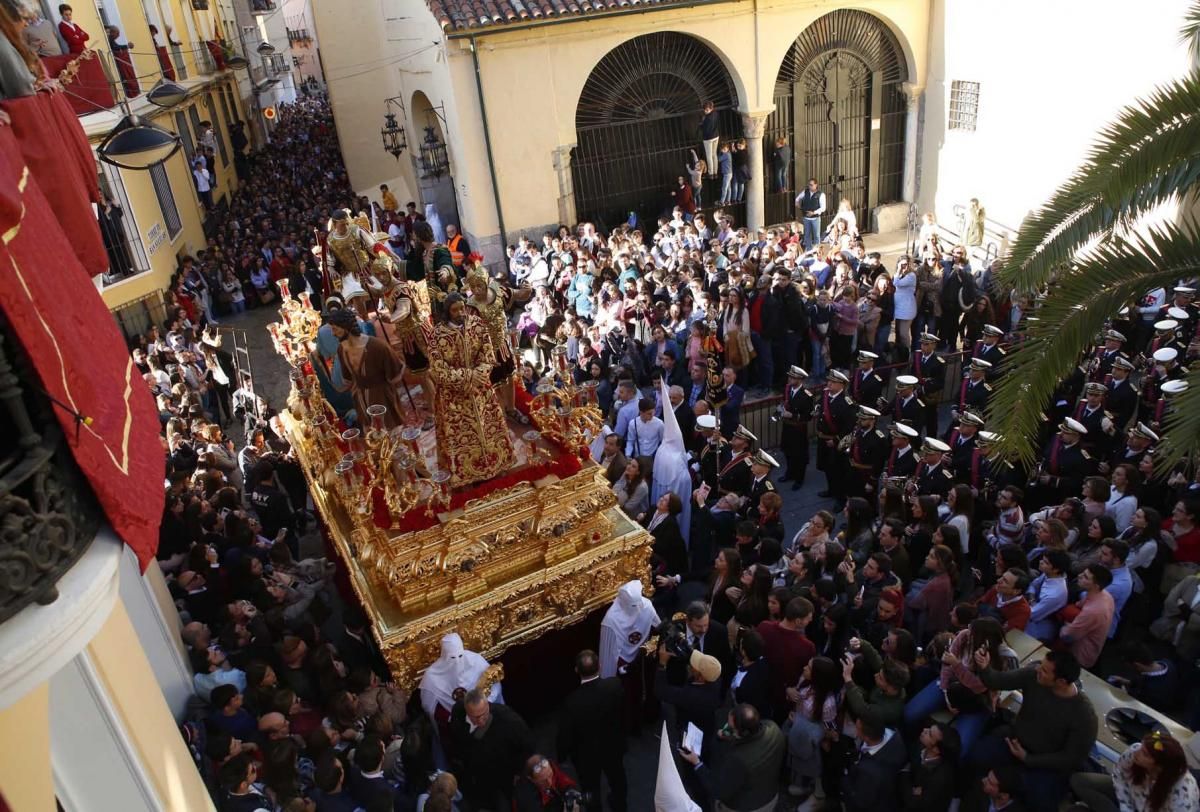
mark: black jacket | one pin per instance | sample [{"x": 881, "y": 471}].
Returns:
[
  {"x": 591, "y": 726},
  {"x": 694, "y": 702},
  {"x": 871, "y": 783},
  {"x": 754, "y": 688},
  {"x": 489, "y": 763},
  {"x": 937, "y": 784}
]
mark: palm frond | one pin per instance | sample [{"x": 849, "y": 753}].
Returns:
[
  {"x": 1084, "y": 295},
  {"x": 1149, "y": 156},
  {"x": 1181, "y": 430},
  {"x": 1190, "y": 33}
]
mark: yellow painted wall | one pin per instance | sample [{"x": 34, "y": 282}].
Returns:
[
  {"x": 532, "y": 80},
  {"x": 25, "y": 776},
  {"x": 173, "y": 14},
  {"x": 136, "y": 31},
  {"x": 148, "y": 214},
  {"x": 129, "y": 680}
]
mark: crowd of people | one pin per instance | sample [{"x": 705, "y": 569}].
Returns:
[{"x": 859, "y": 659}]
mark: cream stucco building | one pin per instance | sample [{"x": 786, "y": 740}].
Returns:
[{"x": 559, "y": 111}]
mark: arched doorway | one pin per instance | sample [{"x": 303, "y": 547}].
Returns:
[
  {"x": 839, "y": 102},
  {"x": 435, "y": 180},
  {"x": 638, "y": 115}
]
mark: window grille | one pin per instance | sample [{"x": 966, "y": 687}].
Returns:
[{"x": 964, "y": 105}]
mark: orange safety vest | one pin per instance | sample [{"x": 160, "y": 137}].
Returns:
[{"x": 456, "y": 256}]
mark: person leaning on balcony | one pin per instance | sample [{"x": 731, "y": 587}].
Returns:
[{"x": 74, "y": 35}]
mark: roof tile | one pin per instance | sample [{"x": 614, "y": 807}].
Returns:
[{"x": 459, "y": 15}]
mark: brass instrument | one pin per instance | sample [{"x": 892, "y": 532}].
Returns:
[{"x": 1036, "y": 473}]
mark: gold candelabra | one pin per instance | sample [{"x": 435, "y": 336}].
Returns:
[
  {"x": 564, "y": 412},
  {"x": 297, "y": 328}
]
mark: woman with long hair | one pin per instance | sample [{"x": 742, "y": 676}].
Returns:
[
  {"x": 961, "y": 502},
  {"x": 844, "y": 327},
  {"x": 752, "y": 595},
  {"x": 1086, "y": 549},
  {"x": 814, "y": 535},
  {"x": 816, "y": 711},
  {"x": 929, "y": 609},
  {"x": 959, "y": 686},
  {"x": 726, "y": 573},
  {"x": 1122, "y": 495},
  {"x": 632, "y": 492},
  {"x": 884, "y": 293},
  {"x": 904, "y": 304},
  {"x": 1096, "y": 491},
  {"x": 975, "y": 318},
  {"x": 834, "y": 632},
  {"x": 1151, "y": 776},
  {"x": 735, "y": 331},
  {"x": 859, "y": 534},
  {"x": 923, "y": 521}
]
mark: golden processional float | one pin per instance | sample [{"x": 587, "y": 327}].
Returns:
[{"x": 500, "y": 562}]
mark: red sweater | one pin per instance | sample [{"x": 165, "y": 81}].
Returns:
[
  {"x": 787, "y": 653},
  {"x": 1187, "y": 546},
  {"x": 75, "y": 36},
  {"x": 1015, "y": 614}
]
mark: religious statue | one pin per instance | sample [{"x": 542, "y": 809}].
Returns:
[
  {"x": 472, "y": 436},
  {"x": 370, "y": 369},
  {"x": 351, "y": 256},
  {"x": 431, "y": 262},
  {"x": 402, "y": 326},
  {"x": 973, "y": 231},
  {"x": 489, "y": 301}
]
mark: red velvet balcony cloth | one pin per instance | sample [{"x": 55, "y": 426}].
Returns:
[
  {"x": 72, "y": 341},
  {"x": 89, "y": 91},
  {"x": 218, "y": 54},
  {"x": 164, "y": 61}
]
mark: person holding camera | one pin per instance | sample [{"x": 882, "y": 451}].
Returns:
[{"x": 544, "y": 786}]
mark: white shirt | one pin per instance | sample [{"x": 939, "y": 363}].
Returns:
[
  {"x": 1121, "y": 508},
  {"x": 202, "y": 179}
]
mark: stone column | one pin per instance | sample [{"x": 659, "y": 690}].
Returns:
[
  {"x": 911, "y": 129},
  {"x": 754, "y": 124},
  {"x": 566, "y": 183}
]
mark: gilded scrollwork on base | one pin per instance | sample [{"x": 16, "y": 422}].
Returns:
[{"x": 501, "y": 571}]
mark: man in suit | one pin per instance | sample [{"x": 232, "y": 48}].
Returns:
[
  {"x": 683, "y": 413},
  {"x": 491, "y": 743},
  {"x": 356, "y": 647},
  {"x": 870, "y": 783},
  {"x": 591, "y": 731},
  {"x": 706, "y": 636},
  {"x": 930, "y": 784},
  {"x": 674, "y": 372},
  {"x": 731, "y": 411},
  {"x": 613, "y": 460},
  {"x": 748, "y": 775}
]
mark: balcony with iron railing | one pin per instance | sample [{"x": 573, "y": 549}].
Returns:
[{"x": 262, "y": 6}]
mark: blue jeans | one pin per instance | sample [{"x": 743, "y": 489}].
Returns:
[
  {"x": 726, "y": 181},
  {"x": 738, "y": 190},
  {"x": 818, "y": 360},
  {"x": 238, "y": 306},
  {"x": 697, "y": 191},
  {"x": 929, "y": 700},
  {"x": 812, "y": 232}
]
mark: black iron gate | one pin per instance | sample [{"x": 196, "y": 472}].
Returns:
[
  {"x": 638, "y": 118},
  {"x": 838, "y": 101}
]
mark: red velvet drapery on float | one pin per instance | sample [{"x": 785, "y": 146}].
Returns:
[{"x": 50, "y": 247}]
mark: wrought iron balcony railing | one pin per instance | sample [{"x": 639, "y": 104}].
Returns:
[{"x": 48, "y": 516}]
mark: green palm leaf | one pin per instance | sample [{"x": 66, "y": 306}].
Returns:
[{"x": 1083, "y": 296}]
